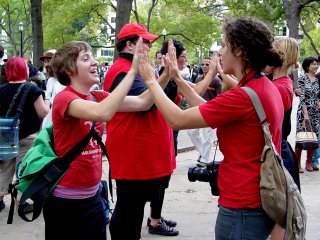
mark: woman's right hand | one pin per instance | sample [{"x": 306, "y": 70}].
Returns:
[
  {"x": 144, "y": 63},
  {"x": 135, "y": 61}
]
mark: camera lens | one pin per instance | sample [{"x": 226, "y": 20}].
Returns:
[{"x": 198, "y": 174}]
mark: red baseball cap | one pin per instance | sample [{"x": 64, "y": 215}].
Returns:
[{"x": 136, "y": 29}]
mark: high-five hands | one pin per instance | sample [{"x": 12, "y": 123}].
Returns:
[
  {"x": 145, "y": 66},
  {"x": 135, "y": 61}
]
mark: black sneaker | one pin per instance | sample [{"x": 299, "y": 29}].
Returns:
[
  {"x": 163, "y": 229},
  {"x": 315, "y": 167},
  {"x": 2, "y": 205},
  {"x": 169, "y": 223}
]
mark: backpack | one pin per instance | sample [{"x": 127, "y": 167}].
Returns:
[
  {"x": 40, "y": 171},
  {"x": 280, "y": 196},
  {"x": 10, "y": 126}
]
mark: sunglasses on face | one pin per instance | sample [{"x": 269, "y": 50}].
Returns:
[{"x": 204, "y": 64}]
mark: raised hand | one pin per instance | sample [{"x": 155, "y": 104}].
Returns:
[
  {"x": 146, "y": 70},
  {"x": 135, "y": 61},
  {"x": 171, "y": 59}
]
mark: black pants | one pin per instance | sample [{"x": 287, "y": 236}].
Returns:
[
  {"x": 127, "y": 217},
  {"x": 74, "y": 219}
]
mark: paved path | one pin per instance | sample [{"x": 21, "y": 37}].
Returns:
[{"x": 189, "y": 203}]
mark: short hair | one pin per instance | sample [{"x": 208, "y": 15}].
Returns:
[
  {"x": 158, "y": 52},
  {"x": 177, "y": 44},
  {"x": 254, "y": 39},
  {"x": 1, "y": 51},
  {"x": 289, "y": 49},
  {"x": 65, "y": 59},
  {"x": 16, "y": 69},
  {"x": 122, "y": 43},
  {"x": 36, "y": 80},
  {"x": 206, "y": 58},
  {"x": 307, "y": 62}
]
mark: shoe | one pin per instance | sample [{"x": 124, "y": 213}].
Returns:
[
  {"x": 309, "y": 167},
  {"x": 169, "y": 223},
  {"x": 301, "y": 170},
  {"x": 2, "y": 205},
  {"x": 27, "y": 208},
  {"x": 315, "y": 167},
  {"x": 163, "y": 229}
]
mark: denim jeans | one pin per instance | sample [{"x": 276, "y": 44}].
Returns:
[
  {"x": 316, "y": 155},
  {"x": 242, "y": 224}
]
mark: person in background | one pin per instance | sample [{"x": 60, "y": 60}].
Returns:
[
  {"x": 308, "y": 108},
  {"x": 3, "y": 78},
  {"x": 245, "y": 52},
  {"x": 42, "y": 77},
  {"x": 32, "y": 69},
  {"x": 158, "y": 62},
  {"x": 36, "y": 81},
  {"x": 144, "y": 166},
  {"x": 204, "y": 138},
  {"x": 34, "y": 109},
  {"x": 316, "y": 155},
  {"x": 53, "y": 85}
]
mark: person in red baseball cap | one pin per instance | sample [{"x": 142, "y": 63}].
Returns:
[
  {"x": 140, "y": 30},
  {"x": 142, "y": 169}
]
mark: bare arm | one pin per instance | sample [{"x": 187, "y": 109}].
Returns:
[
  {"x": 177, "y": 118},
  {"x": 202, "y": 86},
  {"x": 42, "y": 106}
]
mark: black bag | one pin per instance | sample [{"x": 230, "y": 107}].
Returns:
[{"x": 103, "y": 190}]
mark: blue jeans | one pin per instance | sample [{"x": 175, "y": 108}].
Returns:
[
  {"x": 242, "y": 224},
  {"x": 316, "y": 154}
]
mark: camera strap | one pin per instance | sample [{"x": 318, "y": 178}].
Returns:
[{"x": 215, "y": 150}]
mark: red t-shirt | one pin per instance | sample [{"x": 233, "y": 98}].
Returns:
[
  {"x": 241, "y": 139},
  {"x": 285, "y": 88},
  {"x": 86, "y": 170},
  {"x": 140, "y": 144}
]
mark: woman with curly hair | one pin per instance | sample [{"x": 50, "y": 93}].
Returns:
[{"x": 245, "y": 52}]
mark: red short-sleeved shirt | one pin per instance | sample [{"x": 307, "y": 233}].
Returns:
[
  {"x": 285, "y": 88},
  {"x": 241, "y": 139},
  {"x": 86, "y": 170}
]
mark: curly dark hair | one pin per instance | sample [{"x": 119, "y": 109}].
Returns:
[
  {"x": 254, "y": 39},
  {"x": 177, "y": 44}
]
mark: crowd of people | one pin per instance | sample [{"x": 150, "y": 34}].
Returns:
[{"x": 140, "y": 104}]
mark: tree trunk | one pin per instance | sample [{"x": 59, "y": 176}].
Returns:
[
  {"x": 292, "y": 9},
  {"x": 37, "y": 31},
  {"x": 122, "y": 17}
]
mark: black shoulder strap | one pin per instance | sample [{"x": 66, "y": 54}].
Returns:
[
  {"x": 104, "y": 149},
  {"x": 15, "y": 98}
]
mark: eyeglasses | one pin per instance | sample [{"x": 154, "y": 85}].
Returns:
[
  {"x": 147, "y": 42},
  {"x": 204, "y": 64}
]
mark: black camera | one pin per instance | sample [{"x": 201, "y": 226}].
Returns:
[{"x": 208, "y": 174}]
